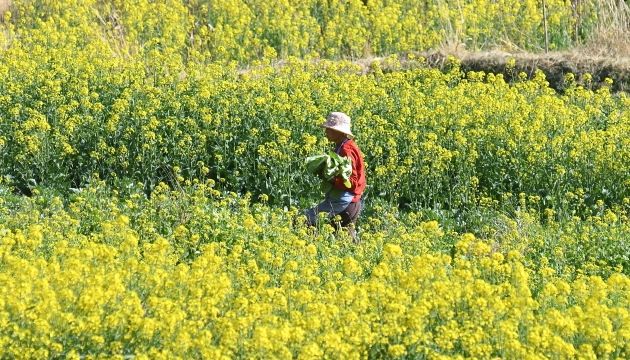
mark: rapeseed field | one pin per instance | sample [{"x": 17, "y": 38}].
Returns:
[{"x": 152, "y": 169}]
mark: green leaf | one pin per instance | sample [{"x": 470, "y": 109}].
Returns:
[
  {"x": 315, "y": 163},
  {"x": 330, "y": 166},
  {"x": 325, "y": 186},
  {"x": 336, "y": 193}
]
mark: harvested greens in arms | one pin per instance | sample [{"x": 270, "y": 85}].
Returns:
[{"x": 330, "y": 166}]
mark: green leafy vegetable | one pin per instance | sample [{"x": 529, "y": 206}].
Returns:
[{"x": 330, "y": 166}]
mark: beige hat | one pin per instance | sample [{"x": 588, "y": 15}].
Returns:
[{"x": 338, "y": 121}]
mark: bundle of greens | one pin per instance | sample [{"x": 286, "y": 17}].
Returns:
[{"x": 327, "y": 167}]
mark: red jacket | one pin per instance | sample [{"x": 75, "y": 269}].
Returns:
[{"x": 357, "y": 179}]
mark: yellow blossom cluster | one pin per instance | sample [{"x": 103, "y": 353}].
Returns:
[
  {"x": 246, "y": 31},
  {"x": 197, "y": 274}
]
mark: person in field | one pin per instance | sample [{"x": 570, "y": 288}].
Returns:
[{"x": 348, "y": 205}]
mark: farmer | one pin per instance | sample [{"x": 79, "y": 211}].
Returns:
[{"x": 348, "y": 206}]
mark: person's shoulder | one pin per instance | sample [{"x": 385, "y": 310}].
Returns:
[
  {"x": 350, "y": 147},
  {"x": 351, "y": 144}
]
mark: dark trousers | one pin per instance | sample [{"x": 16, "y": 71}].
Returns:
[
  {"x": 350, "y": 214},
  {"x": 349, "y": 219}
]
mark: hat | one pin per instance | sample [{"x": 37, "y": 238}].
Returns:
[{"x": 338, "y": 121}]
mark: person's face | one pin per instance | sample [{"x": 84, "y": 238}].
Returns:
[{"x": 334, "y": 135}]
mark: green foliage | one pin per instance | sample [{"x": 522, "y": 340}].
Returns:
[
  {"x": 430, "y": 140},
  {"x": 328, "y": 167}
]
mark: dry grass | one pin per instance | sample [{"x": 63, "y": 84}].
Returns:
[
  {"x": 4, "y": 6},
  {"x": 613, "y": 14},
  {"x": 613, "y": 43},
  {"x": 611, "y": 37}
]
